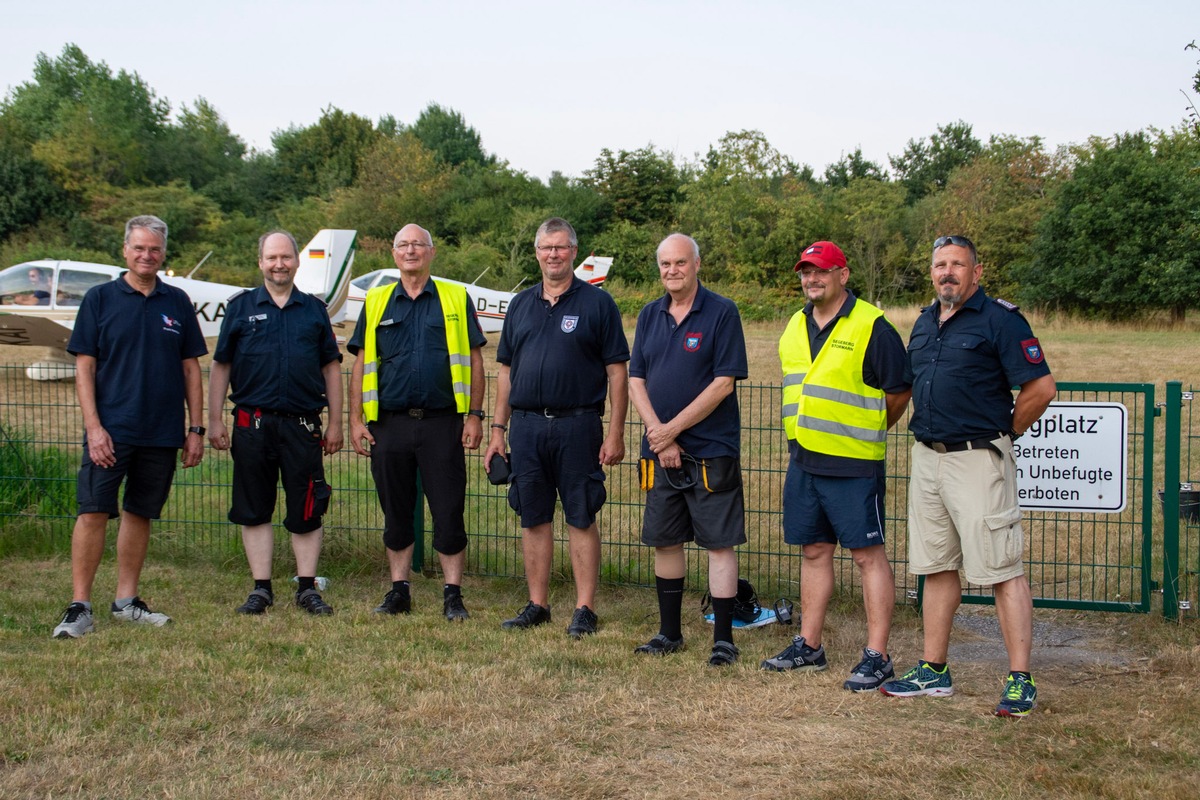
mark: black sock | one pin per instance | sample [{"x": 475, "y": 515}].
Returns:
[
  {"x": 451, "y": 589},
  {"x": 401, "y": 587},
  {"x": 304, "y": 584},
  {"x": 938, "y": 666},
  {"x": 670, "y": 606},
  {"x": 265, "y": 585},
  {"x": 723, "y": 619}
]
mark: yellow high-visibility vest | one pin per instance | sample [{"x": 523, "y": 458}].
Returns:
[
  {"x": 827, "y": 408},
  {"x": 458, "y": 344}
]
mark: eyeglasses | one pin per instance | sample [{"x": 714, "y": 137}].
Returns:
[
  {"x": 814, "y": 271},
  {"x": 413, "y": 245},
  {"x": 555, "y": 248},
  {"x": 957, "y": 241}
]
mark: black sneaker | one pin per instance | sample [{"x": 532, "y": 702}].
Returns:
[
  {"x": 311, "y": 602},
  {"x": 871, "y": 672},
  {"x": 394, "y": 603},
  {"x": 797, "y": 655},
  {"x": 660, "y": 646},
  {"x": 583, "y": 623},
  {"x": 454, "y": 609},
  {"x": 531, "y": 616},
  {"x": 257, "y": 603},
  {"x": 723, "y": 654}
]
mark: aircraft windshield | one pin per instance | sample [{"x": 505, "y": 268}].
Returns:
[
  {"x": 74, "y": 283},
  {"x": 26, "y": 285}
]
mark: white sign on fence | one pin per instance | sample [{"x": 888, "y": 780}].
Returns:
[{"x": 1073, "y": 459}]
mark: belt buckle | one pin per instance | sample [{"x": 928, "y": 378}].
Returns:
[
  {"x": 939, "y": 447},
  {"x": 416, "y": 413},
  {"x": 546, "y": 413}
]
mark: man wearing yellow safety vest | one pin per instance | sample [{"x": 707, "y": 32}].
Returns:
[
  {"x": 415, "y": 402},
  {"x": 843, "y": 387}
]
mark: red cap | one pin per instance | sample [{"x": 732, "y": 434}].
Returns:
[{"x": 822, "y": 255}]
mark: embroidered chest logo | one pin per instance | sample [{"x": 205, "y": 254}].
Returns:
[
  {"x": 171, "y": 324},
  {"x": 691, "y": 342},
  {"x": 1033, "y": 351},
  {"x": 570, "y": 323}
]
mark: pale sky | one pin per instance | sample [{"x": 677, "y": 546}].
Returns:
[{"x": 547, "y": 85}]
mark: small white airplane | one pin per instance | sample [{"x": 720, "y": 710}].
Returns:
[
  {"x": 491, "y": 305},
  {"x": 39, "y": 299}
]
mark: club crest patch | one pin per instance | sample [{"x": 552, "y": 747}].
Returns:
[
  {"x": 1033, "y": 351},
  {"x": 570, "y": 323},
  {"x": 691, "y": 342},
  {"x": 171, "y": 324}
]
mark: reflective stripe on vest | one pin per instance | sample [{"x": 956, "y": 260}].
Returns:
[
  {"x": 458, "y": 344},
  {"x": 827, "y": 408}
]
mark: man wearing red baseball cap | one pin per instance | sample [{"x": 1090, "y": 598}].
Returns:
[{"x": 843, "y": 387}]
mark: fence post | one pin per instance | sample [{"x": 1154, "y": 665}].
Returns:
[{"x": 1170, "y": 502}]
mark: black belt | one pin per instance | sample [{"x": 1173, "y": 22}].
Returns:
[
  {"x": 422, "y": 413},
  {"x": 302, "y": 417},
  {"x": 552, "y": 413},
  {"x": 958, "y": 447}
]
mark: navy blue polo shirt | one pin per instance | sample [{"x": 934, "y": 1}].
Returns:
[
  {"x": 557, "y": 355},
  {"x": 276, "y": 354},
  {"x": 884, "y": 365},
  {"x": 963, "y": 373},
  {"x": 410, "y": 343},
  {"x": 679, "y": 361},
  {"x": 139, "y": 343}
]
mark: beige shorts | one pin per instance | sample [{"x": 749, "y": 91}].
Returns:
[{"x": 963, "y": 514}]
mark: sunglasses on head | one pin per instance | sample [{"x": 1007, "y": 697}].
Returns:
[{"x": 957, "y": 241}]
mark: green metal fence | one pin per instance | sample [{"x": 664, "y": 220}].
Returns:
[
  {"x": 1181, "y": 503},
  {"x": 1075, "y": 559}
]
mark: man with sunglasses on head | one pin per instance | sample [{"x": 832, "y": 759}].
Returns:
[
  {"x": 415, "y": 402},
  {"x": 965, "y": 354},
  {"x": 562, "y": 348},
  {"x": 843, "y": 388},
  {"x": 688, "y": 353}
]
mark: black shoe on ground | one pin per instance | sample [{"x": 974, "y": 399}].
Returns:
[
  {"x": 454, "y": 609},
  {"x": 531, "y": 616},
  {"x": 311, "y": 602},
  {"x": 660, "y": 646},
  {"x": 583, "y": 623},
  {"x": 257, "y": 603},
  {"x": 394, "y": 603},
  {"x": 723, "y": 654}
]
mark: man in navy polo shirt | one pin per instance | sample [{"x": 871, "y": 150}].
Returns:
[
  {"x": 843, "y": 388},
  {"x": 136, "y": 344},
  {"x": 965, "y": 354},
  {"x": 688, "y": 352},
  {"x": 277, "y": 350},
  {"x": 416, "y": 401},
  {"x": 562, "y": 346}
]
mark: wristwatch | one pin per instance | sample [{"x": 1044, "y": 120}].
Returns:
[
  {"x": 197, "y": 430},
  {"x": 475, "y": 412}
]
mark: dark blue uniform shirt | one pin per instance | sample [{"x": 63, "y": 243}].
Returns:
[
  {"x": 557, "y": 355},
  {"x": 679, "y": 361},
  {"x": 410, "y": 342},
  {"x": 276, "y": 354},
  {"x": 139, "y": 343},
  {"x": 884, "y": 364},
  {"x": 962, "y": 374}
]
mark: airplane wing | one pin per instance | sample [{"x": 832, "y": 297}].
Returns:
[{"x": 28, "y": 331}]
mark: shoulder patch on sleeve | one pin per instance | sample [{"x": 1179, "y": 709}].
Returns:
[
  {"x": 1006, "y": 304},
  {"x": 1033, "y": 351}
]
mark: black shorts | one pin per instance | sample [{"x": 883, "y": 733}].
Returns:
[
  {"x": 266, "y": 449},
  {"x": 433, "y": 447},
  {"x": 712, "y": 519},
  {"x": 556, "y": 457},
  {"x": 149, "y": 471}
]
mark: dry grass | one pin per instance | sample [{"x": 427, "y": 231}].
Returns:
[{"x": 220, "y": 706}]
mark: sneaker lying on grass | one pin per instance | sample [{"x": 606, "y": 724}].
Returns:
[{"x": 137, "y": 611}]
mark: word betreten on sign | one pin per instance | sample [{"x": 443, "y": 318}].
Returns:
[{"x": 1073, "y": 459}]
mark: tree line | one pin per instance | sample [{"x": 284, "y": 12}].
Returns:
[{"x": 1107, "y": 228}]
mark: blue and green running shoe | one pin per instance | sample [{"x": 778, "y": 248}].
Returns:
[
  {"x": 1019, "y": 698},
  {"x": 920, "y": 680}
]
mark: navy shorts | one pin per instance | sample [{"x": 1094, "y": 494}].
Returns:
[
  {"x": 431, "y": 447},
  {"x": 714, "y": 520},
  {"x": 819, "y": 508},
  {"x": 147, "y": 472},
  {"x": 558, "y": 457},
  {"x": 268, "y": 448}
]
